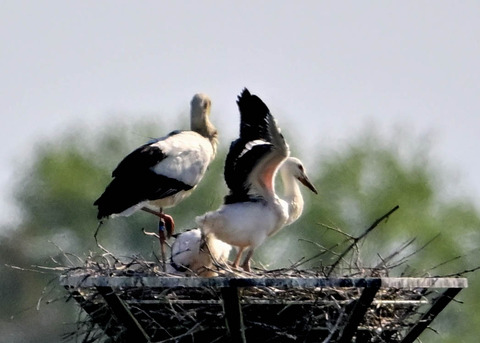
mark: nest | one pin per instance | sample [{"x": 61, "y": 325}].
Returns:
[
  {"x": 186, "y": 312},
  {"x": 135, "y": 300}
]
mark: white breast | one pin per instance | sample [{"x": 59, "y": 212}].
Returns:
[{"x": 245, "y": 223}]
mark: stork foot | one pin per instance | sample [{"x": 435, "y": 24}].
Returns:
[
  {"x": 246, "y": 266},
  {"x": 168, "y": 224}
]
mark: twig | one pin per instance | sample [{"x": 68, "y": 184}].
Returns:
[
  {"x": 54, "y": 269},
  {"x": 333, "y": 331},
  {"x": 405, "y": 258},
  {"x": 336, "y": 230},
  {"x": 24, "y": 269},
  {"x": 384, "y": 261},
  {"x": 44, "y": 292},
  {"x": 325, "y": 250},
  {"x": 100, "y": 223},
  {"x": 461, "y": 273},
  {"x": 444, "y": 263},
  {"x": 66, "y": 255},
  {"x": 357, "y": 239},
  {"x": 154, "y": 234},
  {"x": 190, "y": 332}
]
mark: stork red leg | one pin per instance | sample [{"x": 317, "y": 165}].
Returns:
[
  {"x": 168, "y": 222},
  {"x": 166, "y": 226}
]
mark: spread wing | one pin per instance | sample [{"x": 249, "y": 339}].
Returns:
[{"x": 254, "y": 158}]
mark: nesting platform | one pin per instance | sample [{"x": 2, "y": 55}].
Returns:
[{"x": 280, "y": 308}]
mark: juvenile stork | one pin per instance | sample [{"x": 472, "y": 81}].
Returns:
[
  {"x": 162, "y": 172},
  {"x": 194, "y": 253},
  {"x": 252, "y": 211}
]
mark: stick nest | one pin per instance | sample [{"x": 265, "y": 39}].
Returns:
[{"x": 270, "y": 314}]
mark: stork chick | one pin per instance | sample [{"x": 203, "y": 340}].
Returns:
[
  {"x": 252, "y": 211},
  {"x": 195, "y": 254}
]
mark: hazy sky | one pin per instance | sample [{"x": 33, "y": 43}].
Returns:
[{"x": 326, "y": 70}]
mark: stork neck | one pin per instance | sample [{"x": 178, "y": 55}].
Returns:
[
  {"x": 292, "y": 195},
  {"x": 201, "y": 124}
]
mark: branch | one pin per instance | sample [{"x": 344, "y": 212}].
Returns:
[
  {"x": 405, "y": 258},
  {"x": 384, "y": 261},
  {"x": 147, "y": 233},
  {"x": 323, "y": 252},
  {"x": 328, "y": 227},
  {"x": 356, "y": 240},
  {"x": 461, "y": 273},
  {"x": 24, "y": 269},
  {"x": 444, "y": 263}
]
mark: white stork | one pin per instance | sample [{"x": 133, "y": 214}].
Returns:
[
  {"x": 194, "y": 253},
  {"x": 253, "y": 211},
  {"x": 162, "y": 172}
]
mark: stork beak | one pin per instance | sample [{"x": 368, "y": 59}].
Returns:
[{"x": 306, "y": 182}]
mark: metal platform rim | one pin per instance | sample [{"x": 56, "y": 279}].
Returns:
[{"x": 88, "y": 280}]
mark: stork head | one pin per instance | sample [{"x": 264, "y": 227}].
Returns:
[
  {"x": 199, "y": 116},
  {"x": 295, "y": 167},
  {"x": 200, "y": 105}
]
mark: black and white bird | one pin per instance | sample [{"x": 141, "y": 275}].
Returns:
[
  {"x": 195, "y": 254},
  {"x": 252, "y": 211},
  {"x": 164, "y": 171}
]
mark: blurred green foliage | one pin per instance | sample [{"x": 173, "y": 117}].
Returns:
[{"x": 356, "y": 185}]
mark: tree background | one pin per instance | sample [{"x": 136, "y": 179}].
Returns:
[{"x": 357, "y": 183}]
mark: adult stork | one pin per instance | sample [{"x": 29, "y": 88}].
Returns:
[
  {"x": 162, "y": 172},
  {"x": 194, "y": 253},
  {"x": 252, "y": 211}
]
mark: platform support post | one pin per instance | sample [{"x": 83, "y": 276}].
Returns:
[
  {"x": 233, "y": 314},
  {"x": 135, "y": 332},
  {"x": 430, "y": 315},
  {"x": 358, "y": 312}
]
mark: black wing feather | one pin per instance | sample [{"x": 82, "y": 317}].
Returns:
[
  {"x": 255, "y": 125},
  {"x": 126, "y": 191},
  {"x": 142, "y": 158},
  {"x": 134, "y": 181},
  {"x": 254, "y": 116},
  {"x": 238, "y": 166}
]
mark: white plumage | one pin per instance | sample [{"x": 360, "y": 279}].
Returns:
[
  {"x": 164, "y": 171},
  {"x": 253, "y": 211},
  {"x": 193, "y": 254},
  {"x": 187, "y": 156}
]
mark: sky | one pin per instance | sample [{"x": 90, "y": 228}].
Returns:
[{"x": 326, "y": 69}]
